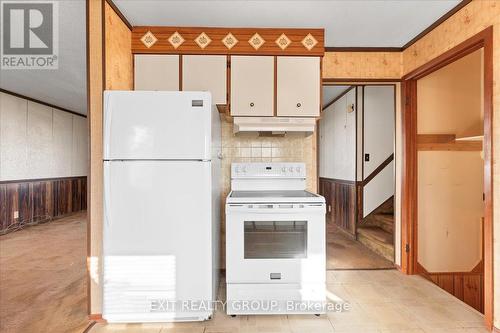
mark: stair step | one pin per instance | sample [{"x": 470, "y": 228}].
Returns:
[
  {"x": 376, "y": 233},
  {"x": 378, "y": 240},
  {"x": 384, "y": 221},
  {"x": 384, "y": 218}
]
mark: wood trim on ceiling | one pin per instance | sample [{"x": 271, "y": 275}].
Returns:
[
  {"x": 360, "y": 80},
  {"x": 41, "y": 102},
  {"x": 434, "y": 25},
  {"x": 188, "y": 45},
  {"x": 415, "y": 39},
  {"x": 120, "y": 14},
  {"x": 363, "y": 49},
  {"x": 327, "y": 105}
]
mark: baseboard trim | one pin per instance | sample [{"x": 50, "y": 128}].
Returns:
[
  {"x": 97, "y": 317},
  {"x": 89, "y": 327}
]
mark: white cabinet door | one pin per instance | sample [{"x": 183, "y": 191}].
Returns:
[
  {"x": 156, "y": 72},
  {"x": 298, "y": 86},
  {"x": 205, "y": 73},
  {"x": 252, "y": 86}
]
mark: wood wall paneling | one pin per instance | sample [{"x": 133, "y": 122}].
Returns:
[
  {"x": 40, "y": 200},
  {"x": 349, "y": 66},
  {"x": 340, "y": 197},
  {"x": 216, "y": 46},
  {"x": 118, "y": 56},
  {"x": 466, "y": 286}
]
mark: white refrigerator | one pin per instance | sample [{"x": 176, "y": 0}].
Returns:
[{"x": 161, "y": 164}]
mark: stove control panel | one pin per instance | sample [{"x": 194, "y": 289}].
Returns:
[{"x": 268, "y": 170}]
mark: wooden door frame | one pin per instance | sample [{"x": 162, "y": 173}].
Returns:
[{"x": 483, "y": 39}]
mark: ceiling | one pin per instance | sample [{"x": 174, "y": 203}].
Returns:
[
  {"x": 332, "y": 92},
  {"x": 362, "y": 23},
  {"x": 66, "y": 86}
]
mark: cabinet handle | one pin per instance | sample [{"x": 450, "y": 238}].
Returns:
[
  {"x": 252, "y": 104},
  {"x": 299, "y": 105}
]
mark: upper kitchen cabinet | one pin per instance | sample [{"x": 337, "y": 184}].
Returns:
[
  {"x": 252, "y": 86},
  {"x": 298, "y": 86},
  {"x": 205, "y": 73},
  {"x": 156, "y": 72}
]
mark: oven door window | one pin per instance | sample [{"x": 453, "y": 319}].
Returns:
[{"x": 275, "y": 239}]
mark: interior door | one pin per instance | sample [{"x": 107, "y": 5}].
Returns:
[
  {"x": 298, "y": 85},
  {"x": 252, "y": 86},
  {"x": 157, "y": 231}
]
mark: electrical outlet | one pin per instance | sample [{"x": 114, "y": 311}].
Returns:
[
  {"x": 16, "y": 214},
  {"x": 350, "y": 108}
]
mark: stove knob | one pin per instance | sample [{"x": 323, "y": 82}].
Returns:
[
  {"x": 291, "y": 169},
  {"x": 244, "y": 170},
  {"x": 283, "y": 169},
  {"x": 298, "y": 169}
]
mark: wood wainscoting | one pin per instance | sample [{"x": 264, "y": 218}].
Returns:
[
  {"x": 38, "y": 200},
  {"x": 340, "y": 197},
  {"x": 466, "y": 286}
]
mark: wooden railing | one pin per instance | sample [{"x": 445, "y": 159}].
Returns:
[
  {"x": 378, "y": 170},
  {"x": 361, "y": 184}
]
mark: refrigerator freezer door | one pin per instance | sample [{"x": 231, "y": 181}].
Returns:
[
  {"x": 157, "y": 125},
  {"x": 157, "y": 239}
]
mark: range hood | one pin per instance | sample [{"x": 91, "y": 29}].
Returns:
[{"x": 275, "y": 125}]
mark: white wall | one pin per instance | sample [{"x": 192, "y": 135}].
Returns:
[
  {"x": 337, "y": 141},
  {"x": 379, "y": 127},
  {"x": 37, "y": 141}
]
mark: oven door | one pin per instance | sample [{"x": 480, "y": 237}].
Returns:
[{"x": 275, "y": 243}]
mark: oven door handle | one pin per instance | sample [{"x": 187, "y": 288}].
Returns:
[
  {"x": 281, "y": 208},
  {"x": 290, "y": 206}
]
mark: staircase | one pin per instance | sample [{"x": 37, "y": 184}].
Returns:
[{"x": 376, "y": 231}]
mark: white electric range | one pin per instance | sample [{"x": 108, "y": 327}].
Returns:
[{"x": 275, "y": 241}]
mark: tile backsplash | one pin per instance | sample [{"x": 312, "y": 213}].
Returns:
[{"x": 250, "y": 147}]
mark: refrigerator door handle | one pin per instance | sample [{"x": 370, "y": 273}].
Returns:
[
  {"x": 107, "y": 167},
  {"x": 220, "y": 156}
]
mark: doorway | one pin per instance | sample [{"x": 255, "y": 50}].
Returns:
[
  {"x": 357, "y": 174},
  {"x": 467, "y": 276}
]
